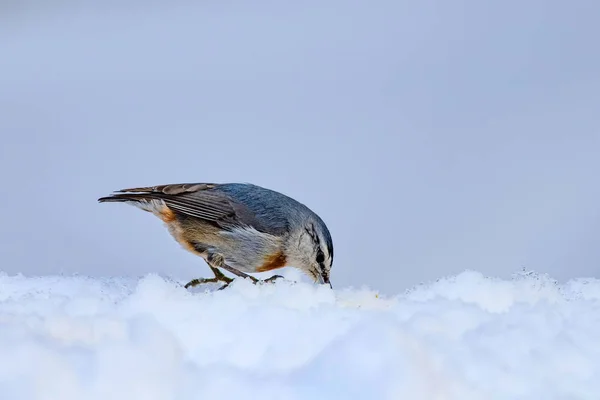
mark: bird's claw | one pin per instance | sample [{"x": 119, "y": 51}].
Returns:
[
  {"x": 219, "y": 277},
  {"x": 200, "y": 281},
  {"x": 273, "y": 278}
]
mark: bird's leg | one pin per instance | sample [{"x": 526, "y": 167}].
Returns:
[
  {"x": 216, "y": 261},
  {"x": 243, "y": 275},
  {"x": 238, "y": 273},
  {"x": 219, "y": 277}
]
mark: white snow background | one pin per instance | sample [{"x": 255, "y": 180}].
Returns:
[{"x": 461, "y": 337}]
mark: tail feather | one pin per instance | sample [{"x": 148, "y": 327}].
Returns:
[
  {"x": 146, "y": 201},
  {"x": 127, "y": 197},
  {"x": 191, "y": 199}
]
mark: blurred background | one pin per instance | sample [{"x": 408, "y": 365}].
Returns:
[{"x": 431, "y": 136}]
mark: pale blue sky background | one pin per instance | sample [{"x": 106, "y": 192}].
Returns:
[{"x": 431, "y": 136}]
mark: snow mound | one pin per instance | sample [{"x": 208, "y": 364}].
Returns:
[{"x": 464, "y": 337}]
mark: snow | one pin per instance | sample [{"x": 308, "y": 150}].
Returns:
[{"x": 462, "y": 337}]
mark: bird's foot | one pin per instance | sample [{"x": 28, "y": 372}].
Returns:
[
  {"x": 217, "y": 261},
  {"x": 219, "y": 277},
  {"x": 200, "y": 281},
  {"x": 272, "y": 279}
]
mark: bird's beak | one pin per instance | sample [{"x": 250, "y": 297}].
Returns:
[{"x": 324, "y": 279}]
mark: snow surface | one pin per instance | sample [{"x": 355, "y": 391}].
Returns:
[{"x": 464, "y": 337}]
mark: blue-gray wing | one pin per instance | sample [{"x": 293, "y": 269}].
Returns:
[{"x": 214, "y": 203}]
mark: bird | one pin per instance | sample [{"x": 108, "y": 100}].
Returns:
[{"x": 241, "y": 228}]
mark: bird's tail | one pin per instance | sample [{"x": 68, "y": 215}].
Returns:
[
  {"x": 125, "y": 197},
  {"x": 150, "y": 202}
]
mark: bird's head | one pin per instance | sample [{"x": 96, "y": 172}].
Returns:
[{"x": 310, "y": 248}]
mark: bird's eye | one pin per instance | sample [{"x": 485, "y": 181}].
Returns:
[{"x": 320, "y": 257}]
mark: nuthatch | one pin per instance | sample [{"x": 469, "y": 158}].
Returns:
[{"x": 238, "y": 227}]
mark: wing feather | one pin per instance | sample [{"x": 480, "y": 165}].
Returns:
[{"x": 198, "y": 200}]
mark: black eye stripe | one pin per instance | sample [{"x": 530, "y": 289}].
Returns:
[
  {"x": 313, "y": 233},
  {"x": 320, "y": 257}
]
